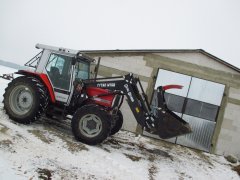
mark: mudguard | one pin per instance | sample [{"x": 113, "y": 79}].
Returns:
[{"x": 43, "y": 78}]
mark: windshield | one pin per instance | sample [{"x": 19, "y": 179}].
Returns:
[{"x": 82, "y": 70}]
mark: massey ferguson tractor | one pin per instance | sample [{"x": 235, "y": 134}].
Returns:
[{"x": 57, "y": 83}]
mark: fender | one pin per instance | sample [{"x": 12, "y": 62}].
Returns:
[
  {"x": 44, "y": 78},
  {"x": 100, "y": 96}
]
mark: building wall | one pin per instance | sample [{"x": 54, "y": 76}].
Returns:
[
  {"x": 145, "y": 65},
  {"x": 199, "y": 59},
  {"x": 121, "y": 65},
  {"x": 228, "y": 141}
]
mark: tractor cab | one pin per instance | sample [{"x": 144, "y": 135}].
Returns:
[
  {"x": 62, "y": 70},
  {"x": 62, "y": 67}
]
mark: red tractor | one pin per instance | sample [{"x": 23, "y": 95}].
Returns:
[{"x": 59, "y": 84}]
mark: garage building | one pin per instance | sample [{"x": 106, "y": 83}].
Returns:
[{"x": 209, "y": 101}]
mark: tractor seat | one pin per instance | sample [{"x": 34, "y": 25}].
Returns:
[{"x": 55, "y": 75}]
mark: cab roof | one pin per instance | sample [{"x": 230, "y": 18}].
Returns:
[{"x": 70, "y": 52}]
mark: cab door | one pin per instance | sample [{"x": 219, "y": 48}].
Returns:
[{"x": 59, "y": 69}]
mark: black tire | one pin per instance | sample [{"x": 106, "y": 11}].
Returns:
[
  {"x": 118, "y": 123},
  {"x": 35, "y": 99},
  {"x": 48, "y": 112},
  {"x": 48, "y": 115},
  {"x": 91, "y": 113}
]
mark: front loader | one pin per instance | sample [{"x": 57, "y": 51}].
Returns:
[{"x": 58, "y": 84}]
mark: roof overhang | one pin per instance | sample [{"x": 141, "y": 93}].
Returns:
[{"x": 164, "y": 51}]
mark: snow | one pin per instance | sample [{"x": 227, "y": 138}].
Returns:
[
  {"x": 43, "y": 149},
  {"x": 3, "y": 85}
]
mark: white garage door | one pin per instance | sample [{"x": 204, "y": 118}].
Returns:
[{"x": 197, "y": 103}]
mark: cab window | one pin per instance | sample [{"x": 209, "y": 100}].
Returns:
[
  {"x": 82, "y": 70},
  {"x": 59, "y": 70}
]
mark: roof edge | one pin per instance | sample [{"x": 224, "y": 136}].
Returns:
[{"x": 164, "y": 51}]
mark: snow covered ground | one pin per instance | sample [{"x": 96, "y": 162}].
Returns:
[
  {"x": 44, "y": 151},
  {"x": 3, "y": 83}
]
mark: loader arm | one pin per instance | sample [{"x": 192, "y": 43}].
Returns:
[{"x": 166, "y": 124}]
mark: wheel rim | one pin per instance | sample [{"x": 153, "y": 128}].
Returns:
[
  {"x": 21, "y": 100},
  {"x": 90, "y": 125}
]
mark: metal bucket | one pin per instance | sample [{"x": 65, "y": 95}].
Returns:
[{"x": 170, "y": 125}]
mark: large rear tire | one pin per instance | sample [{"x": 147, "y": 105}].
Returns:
[
  {"x": 25, "y": 99},
  {"x": 118, "y": 123},
  {"x": 91, "y": 125}
]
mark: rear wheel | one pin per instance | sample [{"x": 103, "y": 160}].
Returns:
[
  {"x": 25, "y": 99},
  {"x": 118, "y": 123},
  {"x": 91, "y": 125}
]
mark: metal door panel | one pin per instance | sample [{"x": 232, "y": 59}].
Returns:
[
  {"x": 201, "y": 136},
  {"x": 199, "y": 101},
  {"x": 206, "y": 91},
  {"x": 167, "y": 77}
]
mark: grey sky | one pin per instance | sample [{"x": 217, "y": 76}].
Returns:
[{"x": 138, "y": 24}]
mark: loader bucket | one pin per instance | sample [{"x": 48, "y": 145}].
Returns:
[{"x": 168, "y": 123}]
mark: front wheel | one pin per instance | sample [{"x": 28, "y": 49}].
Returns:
[
  {"x": 91, "y": 124},
  {"x": 118, "y": 123}
]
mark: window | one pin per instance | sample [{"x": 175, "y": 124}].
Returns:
[
  {"x": 55, "y": 61},
  {"x": 206, "y": 91},
  {"x": 200, "y": 109},
  {"x": 59, "y": 70},
  {"x": 82, "y": 70},
  {"x": 175, "y": 103},
  {"x": 168, "y": 77}
]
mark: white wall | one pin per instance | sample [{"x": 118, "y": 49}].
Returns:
[
  {"x": 228, "y": 141},
  {"x": 199, "y": 59},
  {"x": 134, "y": 64}
]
